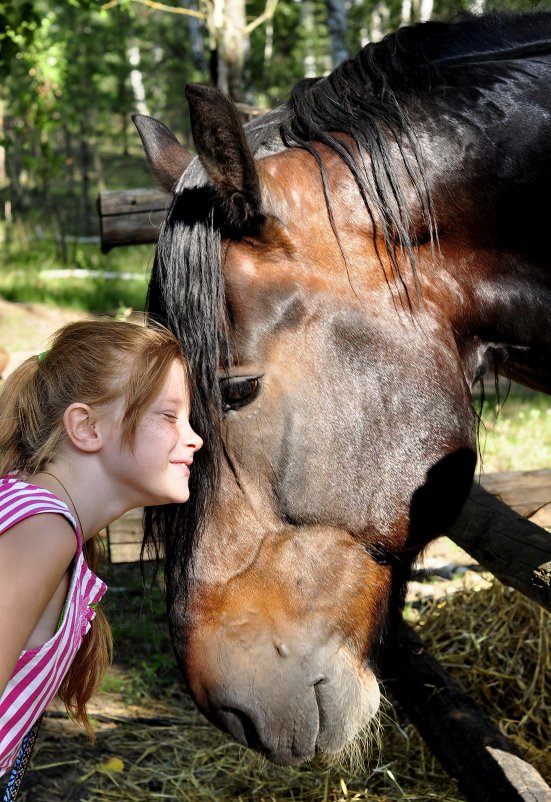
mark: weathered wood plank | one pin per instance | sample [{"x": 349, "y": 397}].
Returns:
[
  {"x": 515, "y": 550},
  {"x": 527, "y": 492},
  {"x": 470, "y": 747},
  {"x": 131, "y": 217},
  {"x": 124, "y": 537},
  {"x": 130, "y": 201}
]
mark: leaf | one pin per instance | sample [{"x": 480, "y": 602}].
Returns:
[{"x": 111, "y": 764}]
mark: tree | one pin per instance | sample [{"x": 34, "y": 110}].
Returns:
[{"x": 336, "y": 22}]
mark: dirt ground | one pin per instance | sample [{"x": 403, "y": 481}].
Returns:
[
  {"x": 25, "y": 328},
  {"x": 65, "y": 766}
]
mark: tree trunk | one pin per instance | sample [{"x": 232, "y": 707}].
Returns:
[
  {"x": 2, "y": 148},
  {"x": 226, "y": 24},
  {"x": 406, "y": 12},
  {"x": 336, "y": 22},
  {"x": 422, "y": 10},
  {"x": 309, "y": 61},
  {"x": 380, "y": 22},
  {"x": 85, "y": 180},
  {"x": 136, "y": 78},
  {"x": 196, "y": 37}
]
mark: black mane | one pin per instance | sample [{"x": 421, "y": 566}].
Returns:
[{"x": 377, "y": 99}]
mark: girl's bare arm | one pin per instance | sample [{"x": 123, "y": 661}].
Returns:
[{"x": 34, "y": 557}]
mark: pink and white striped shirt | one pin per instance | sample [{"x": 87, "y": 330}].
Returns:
[{"x": 39, "y": 672}]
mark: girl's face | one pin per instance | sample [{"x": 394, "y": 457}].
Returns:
[{"x": 157, "y": 469}]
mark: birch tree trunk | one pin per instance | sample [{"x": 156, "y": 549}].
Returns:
[
  {"x": 226, "y": 24},
  {"x": 309, "y": 61},
  {"x": 422, "y": 10},
  {"x": 425, "y": 10},
  {"x": 136, "y": 78},
  {"x": 2, "y": 149}
]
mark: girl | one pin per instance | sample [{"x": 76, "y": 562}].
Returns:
[{"x": 97, "y": 425}]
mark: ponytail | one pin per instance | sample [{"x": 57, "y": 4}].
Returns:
[
  {"x": 20, "y": 429},
  {"x": 93, "y": 657}
]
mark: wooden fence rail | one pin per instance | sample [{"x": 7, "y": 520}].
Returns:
[
  {"x": 131, "y": 216},
  {"x": 501, "y": 526}
]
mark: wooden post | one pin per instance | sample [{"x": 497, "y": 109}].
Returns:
[{"x": 470, "y": 747}]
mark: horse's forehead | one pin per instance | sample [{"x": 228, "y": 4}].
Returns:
[{"x": 298, "y": 245}]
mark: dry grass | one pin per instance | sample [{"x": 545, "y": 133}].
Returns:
[{"x": 500, "y": 650}]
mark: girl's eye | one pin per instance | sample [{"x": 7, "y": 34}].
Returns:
[
  {"x": 239, "y": 391},
  {"x": 169, "y": 415}
]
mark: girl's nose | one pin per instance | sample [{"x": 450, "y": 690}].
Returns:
[{"x": 194, "y": 441}]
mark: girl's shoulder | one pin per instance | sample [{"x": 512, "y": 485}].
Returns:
[{"x": 20, "y": 499}]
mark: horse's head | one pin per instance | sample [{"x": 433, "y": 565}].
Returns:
[
  {"x": 347, "y": 348},
  {"x": 347, "y": 444}
]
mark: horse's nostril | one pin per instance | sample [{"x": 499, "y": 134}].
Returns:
[{"x": 240, "y": 726}]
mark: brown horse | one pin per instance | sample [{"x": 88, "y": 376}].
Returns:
[{"x": 341, "y": 273}]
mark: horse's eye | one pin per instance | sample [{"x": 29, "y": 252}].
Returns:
[{"x": 238, "y": 391}]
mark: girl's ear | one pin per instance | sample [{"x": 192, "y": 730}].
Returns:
[{"x": 80, "y": 425}]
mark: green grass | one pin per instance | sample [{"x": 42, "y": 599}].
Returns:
[
  {"x": 22, "y": 279},
  {"x": 43, "y": 254},
  {"x": 137, "y": 615},
  {"x": 90, "y": 294},
  {"x": 517, "y": 435}
]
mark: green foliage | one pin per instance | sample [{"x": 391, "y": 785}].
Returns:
[
  {"x": 66, "y": 95},
  {"x": 18, "y": 23}
]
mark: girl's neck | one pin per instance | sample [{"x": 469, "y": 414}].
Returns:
[
  {"x": 72, "y": 503},
  {"x": 84, "y": 492}
]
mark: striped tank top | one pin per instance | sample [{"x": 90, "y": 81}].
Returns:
[{"x": 39, "y": 672}]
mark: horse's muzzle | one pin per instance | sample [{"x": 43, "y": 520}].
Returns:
[{"x": 288, "y": 701}]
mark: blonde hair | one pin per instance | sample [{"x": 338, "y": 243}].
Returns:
[{"x": 96, "y": 363}]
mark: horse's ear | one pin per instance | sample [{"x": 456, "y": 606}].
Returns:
[
  {"x": 224, "y": 153},
  {"x": 168, "y": 159}
]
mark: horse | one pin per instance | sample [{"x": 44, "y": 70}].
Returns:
[{"x": 341, "y": 272}]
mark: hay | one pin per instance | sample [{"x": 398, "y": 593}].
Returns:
[
  {"x": 191, "y": 762},
  {"x": 494, "y": 641}
]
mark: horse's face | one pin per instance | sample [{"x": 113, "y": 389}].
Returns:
[
  {"x": 346, "y": 420},
  {"x": 348, "y": 444}
]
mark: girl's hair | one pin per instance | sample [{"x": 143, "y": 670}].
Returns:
[{"x": 96, "y": 363}]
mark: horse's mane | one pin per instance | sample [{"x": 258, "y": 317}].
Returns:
[{"x": 374, "y": 99}]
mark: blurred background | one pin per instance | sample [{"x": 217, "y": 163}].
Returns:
[{"x": 72, "y": 73}]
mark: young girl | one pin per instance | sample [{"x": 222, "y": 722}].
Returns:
[{"x": 96, "y": 426}]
